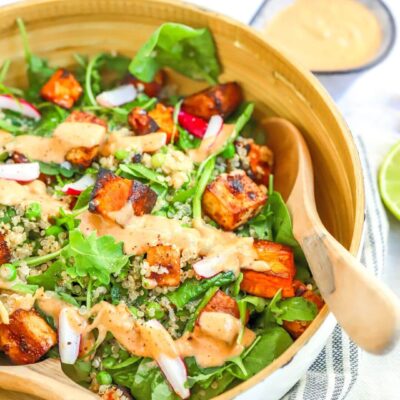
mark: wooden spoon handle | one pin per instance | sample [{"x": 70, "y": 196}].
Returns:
[
  {"x": 365, "y": 308},
  {"x": 45, "y": 380}
]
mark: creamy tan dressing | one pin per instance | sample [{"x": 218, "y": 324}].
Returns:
[
  {"x": 230, "y": 252},
  {"x": 211, "y": 145},
  {"x": 326, "y": 35},
  {"x": 146, "y": 143},
  {"x": 13, "y": 194},
  {"x": 209, "y": 343},
  {"x": 66, "y": 136}
]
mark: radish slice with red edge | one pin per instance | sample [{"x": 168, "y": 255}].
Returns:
[
  {"x": 20, "y": 106},
  {"x": 68, "y": 339},
  {"x": 209, "y": 266},
  {"x": 24, "y": 172},
  {"x": 173, "y": 368},
  {"x": 194, "y": 125},
  {"x": 214, "y": 127},
  {"x": 76, "y": 188},
  {"x": 117, "y": 97}
]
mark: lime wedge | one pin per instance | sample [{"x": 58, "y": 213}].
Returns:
[{"x": 389, "y": 180}]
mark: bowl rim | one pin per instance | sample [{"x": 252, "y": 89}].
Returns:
[{"x": 347, "y": 137}]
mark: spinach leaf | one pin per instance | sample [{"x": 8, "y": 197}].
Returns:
[
  {"x": 96, "y": 257},
  {"x": 192, "y": 289},
  {"x": 142, "y": 172},
  {"x": 38, "y": 69},
  {"x": 53, "y": 169},
  {"x": 282, "y": 231},
  {"x": 272, "y": 343},
  {"x": 84, "y": 198},
  {"x": 48, "y": 279},
  {"x": 79, "y": 372},
  {"x": 187, "y": 50},
  {"x": 257, "y": 303},
  {"x": 51, "y": 117},
  {"x": 296, "y": 309},
  {"x": 147, "y": 383},
  {"x": 186, "y": 141},
  {"x": 206, "y": 170}
]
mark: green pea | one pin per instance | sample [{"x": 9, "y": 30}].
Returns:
[
  {"x": 121, "y": 154},
  {"x": 134, "y": 311},
  {"x": 53, "y": 230},
  {"x": 104, "y": 378},
  {"x": 123, "y": 354},
  {"x": 157, "y": 160},
  {"x": 229, "y": 152},
  {"x": 8, "y": 272},
  {"x": 154, "y": 310},
  {"x": 109, "y": 362},
  {"x": 33, "y": 211}
]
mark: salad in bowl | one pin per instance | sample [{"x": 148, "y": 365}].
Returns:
[{"x": 141, "y": 240}]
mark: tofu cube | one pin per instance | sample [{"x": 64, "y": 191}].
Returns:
[
  {"x": 27, "y": 337},
  {"x": 168, "y": 258},
  {"x": 232, "y": 199}
]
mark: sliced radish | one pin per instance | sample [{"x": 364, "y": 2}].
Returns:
[
  {"x": 68, "y": 339},
  {"x": 24, "y": 172},
  {"x": 194, "y": 125},
  {"x": 66, "y": 165},
  {"x": 214, "y": 127},
  {"x": 209, "y": 266},
  {"x": 20, "y": 106},
  {"x": 76, "y": 188},
  {"x": 173, "y": 368},
  {"x": 117, "y": 97}
]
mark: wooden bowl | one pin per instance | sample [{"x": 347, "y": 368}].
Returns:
[{"x": 59, "y": 28}]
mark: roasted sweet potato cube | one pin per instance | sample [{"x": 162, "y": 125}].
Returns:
[
  {"x": 5, "y": 255},
  {"x": 153, "y": 88},
  {"x": 111, "y": 193},
  {"x": 232, "y": 199},
  {"x": 261, "y": 162},
  {"x": 82, "y": 156},
  {"x": 82, "y": 116},
  {"x": 141, "y": 122},
  {"x": 263, "y": 285},
  {"x": 163, "y": 117},
  {"x": 221, "y": 302},
  {"x": 222, "y": 99},
  {"x": 167, "y": 257},
  {"x": 279, "y": 257},
  {"x": 297, "y": 328},
  {"x": 62, "y": 89},
  {"x": 27, "y": 337}
]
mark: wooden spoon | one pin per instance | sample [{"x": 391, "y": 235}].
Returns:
[
  {"x": 365, "y": 308},
  {"x": 45, "y": 380}
]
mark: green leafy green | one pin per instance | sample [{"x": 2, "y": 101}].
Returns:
[
  {"x": 38, "y": 69},
  {"x": 51, "y": 117},
  {"x": 202, "y": 182},
  {"x": 48, "y": 279},
  {"x": 186, "y": 141},
  {"x": 96, "y": 257},
  {"x": 192, "y": 289},
  {"x": 295, "y": 309},
  {"x": 53, "y": 169},
  {"x": 140, "y": 171},
  {"x": 187, "y": 50},
  {"x": 83, "y": 198},
  {"x": 79, "y": 372}
]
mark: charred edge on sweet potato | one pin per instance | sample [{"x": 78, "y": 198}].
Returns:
[
  {"x": 27, "y": 337},
  {"x": 82, "y": 116},
  {"x": 5, "y": 255},
  {"x": 111, "y": 193},
  {"x": 82, "y": 156},
  {"x": 297, "y": 328},
  {"x": 169, "y": 258},
  {"x": 221, "y": 302},
  {"x": 62, "y": 89},
  {"x": 221, "y": 99},
  {"x": 141, "y": 122},
  {"x": 153, "y": 88},
  {"x": 232, "y": 199}
]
